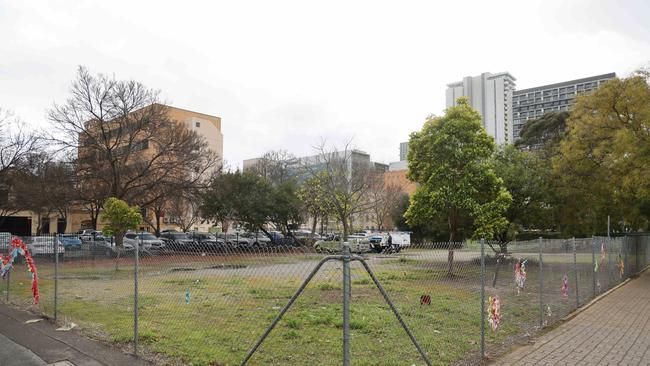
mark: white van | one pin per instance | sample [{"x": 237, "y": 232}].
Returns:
[{"x": 401, "y": 238}]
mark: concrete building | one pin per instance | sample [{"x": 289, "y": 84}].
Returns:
[
  {"x": 534, "y": 102},
  {"x": 398, "y": 178},
  {"x": 396, "y": 174},
  {"x": 398, "y": 165},
  {"x": 491, "y": 95},
  {"x": 301, "y": 166},
  {"x": 29, "y": 223},
  {"x": 207, "y": 126},
  {"x": 403, "y": 151}
]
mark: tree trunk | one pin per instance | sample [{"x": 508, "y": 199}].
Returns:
[
  {"x": 322, "y": 224},
  {"x": 313, "y": 227},
  {"x": 496, "y": 272},
  {"x": 345, "y": 228},
  {"x": 267, "y": 234},
  {"x": 453, "y": 236},
  {"x": 94, "y": 216},
  {"x": 157, "y": 228}
]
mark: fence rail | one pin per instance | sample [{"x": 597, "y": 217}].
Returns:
[{"x": 207, "y": 303}]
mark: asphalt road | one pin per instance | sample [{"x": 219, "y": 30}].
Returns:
[
  {"x": 13, "y": 354},
  {"x": 40, "y": 344}
]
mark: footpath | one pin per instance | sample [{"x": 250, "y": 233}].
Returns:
[
  {"x": 39, "y": 344},
  {"x": 615, "y": 330}
]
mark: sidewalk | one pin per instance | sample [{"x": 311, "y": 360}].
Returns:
[
  {"x": 38, "y": 344},
  {"x": 613, "y": 331}
]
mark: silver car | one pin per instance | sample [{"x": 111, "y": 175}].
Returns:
[
  {"x": 144, "y": 241},
  {"x": 44, "y": 245}
]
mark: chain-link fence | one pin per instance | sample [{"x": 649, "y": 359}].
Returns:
[{"x": 207, "y": 301}]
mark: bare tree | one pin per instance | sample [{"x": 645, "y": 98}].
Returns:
[
  {"x": 185, "y": 207},
  {"x": 46, "y": 187},
  {"x": 16, "y": 144},
  {"x": 384, "y": 199},
  {"x": 345, "y": 180},
  {"x": 126, "y": 144},
  {"x": 276, "y": 167}
]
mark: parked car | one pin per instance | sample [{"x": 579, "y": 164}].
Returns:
[
  {"x": 5, "y": 242},
  {"x": 235, "y": 240},
  {"x": 44, "y": 246},
  {"x": 90, "y": 235},
  {"x": 177, "y": 241},
  {"x": 207, "y": 242},
  {"x": 107, "y": 248},
  {"x": 144, "y": 241},
  {"x": 335, "y": 246},
  {"x": 258, "y": 239},
  {"x": 70, "y": 242}
]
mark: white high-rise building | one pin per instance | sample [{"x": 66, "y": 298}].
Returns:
[{"x": 491, "y": 95}]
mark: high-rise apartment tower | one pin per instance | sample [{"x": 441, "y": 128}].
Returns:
[{"x": 491, "y": 95}]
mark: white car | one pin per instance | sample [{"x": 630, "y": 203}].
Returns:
[
  {"x": 44, "y": 245},
  {"x": 145, "y": 241}
]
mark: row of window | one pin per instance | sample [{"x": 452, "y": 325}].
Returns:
[
  {"x": 521, "y": 116},
  {"x": 568, "y": 89},
  {"x": 543, "y": 105},
  {"x": 544, "y": 99}
]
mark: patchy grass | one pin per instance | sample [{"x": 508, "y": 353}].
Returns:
[{"x": 227, "y": 310}]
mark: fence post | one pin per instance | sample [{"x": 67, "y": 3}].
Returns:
[
  {"x": 626, "y": 267},
  {"x": 575, "y": 271},
  {"x": 135, "y": 296},
  {"x": 482, "y": 298},
  {"x": 541, "y": 286},
  {"x": 346, "y": 304},
  {"x": 92, "y": 248},
  {"x": 8, "y": 284},
  {"x": 609, "y": 253},
  {"x": 593, "y": 265},
  {"x": 56, "y": 275}
]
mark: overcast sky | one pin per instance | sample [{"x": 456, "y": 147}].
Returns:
[{"x": 282, "y": 74}]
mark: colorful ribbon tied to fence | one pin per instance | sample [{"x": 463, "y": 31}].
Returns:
[
  {"x": 520, "y": 274},
  {"x": 565, "y": 286},
  {"x": 7, "y": 264},
  {"x": 621, "y": 266},
  {"x": 494, "y": 312}
]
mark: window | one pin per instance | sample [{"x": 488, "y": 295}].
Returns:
[{"x": 197, "y": 124}]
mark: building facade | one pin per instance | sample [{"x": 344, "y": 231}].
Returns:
[
  {"x": 207, "y": 126},
  {"x": 491, "y": 95},
  {"x": 302, "y": 167},
  {"x": 403, "y": 151},
  {"x": 30, "y": 223},
  {"x": 534, "y": 102}
]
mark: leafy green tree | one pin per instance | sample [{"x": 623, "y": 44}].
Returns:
[
  {"x": 118, "y": 219},
  {"x": 285, "y": 211},
  {"x": 450, "y": 160},
  {"x": 543, "y": 134},
  {"x": 314, "y": 199},
  {"x": 602, "y": 167},
  {"x": 526, "y": 177},
  {"x": 250, "y": 199},
  {"x": 241, "y": 197}
]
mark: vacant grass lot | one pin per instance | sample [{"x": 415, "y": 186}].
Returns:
[{"x": 210, "y": 310}]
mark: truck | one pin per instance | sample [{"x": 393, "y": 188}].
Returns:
[{"x": 399, "y": 239}]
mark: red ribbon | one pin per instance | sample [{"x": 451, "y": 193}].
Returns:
[{"x": 17, "y": 243}]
